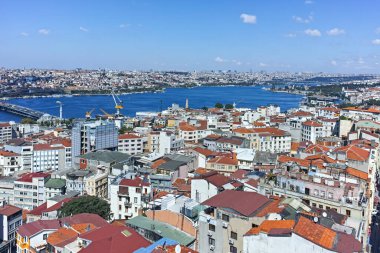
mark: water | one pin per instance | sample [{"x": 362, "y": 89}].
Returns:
[{"x": 76, "y": 106}]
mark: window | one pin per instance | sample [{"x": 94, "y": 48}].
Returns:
[
  {"x": 348, "y": 213},
  {"x": 233, "y": 249},
  {"x": 234, "y": 235},
  {"x": 211, "y": 227},
  {"x": 225, "y": 217},
  {"x": 135, "y": 200},
  {"x": 321, "y": 206},
  {"x": 211, "y": 241},
  {"x": 44, "y": 236}
]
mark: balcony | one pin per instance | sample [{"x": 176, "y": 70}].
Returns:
[
  {"x": 123, "y": 191},
  {"x": 128, "y": 205}
]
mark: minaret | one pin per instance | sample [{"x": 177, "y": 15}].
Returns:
[{"x": 187, "y": 104}]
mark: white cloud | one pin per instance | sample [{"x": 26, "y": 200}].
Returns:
[
  {"x": 219, "y": 59},
  {"x": 313, "y": 32},
  {"x": 309, "y": 2},
  {"x": 124, "y": 25},
  {"x": 24, "y": 34},
  {"x": 44, "y": 31},
  {"x": 261, "y": 64},
  {"x": 336, "y": 32},
  {"x": 376, "y": 42},
  {"x": 334, "y": 63},
  {"x": 290, "y": 35},
  {"x": 83, "y": 29},
  {"x": 237, "y": 62},
  {"x": 303, "y": 20},
  {"x": 248, "y": 19}
]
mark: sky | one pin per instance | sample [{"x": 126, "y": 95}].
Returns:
[{"x": 336, "y": 36}]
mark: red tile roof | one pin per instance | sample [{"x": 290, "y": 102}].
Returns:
[
  {"x": 9, "y": 210},
  {"x": 113, "y": 239},
  {"x": 204, "y": 151},
  {"x": 312, "y": 123},
  {"x": 32, "y": 228},
  {"x": 223, "y": 160},
  {"x": 137, "y": 182},
  {"x": 245, "y": 203},
  {"x": 301, "y": 162},
  {"x": 357, "y": 173},
  {"x": 29, "y": 177},
  {"x": 215, "y": 178},
  {"x": 39, "y": 147},
  {"x": 128, "y": 136},
  {"x": 315, "y": 233},
  {"x": 353, "y": 152},
  {"x": 268, "y": 225},
  {"x": 8, "y": 153}
]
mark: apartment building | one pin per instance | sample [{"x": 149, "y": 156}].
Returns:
[
  {"x": 48, "y": 157},
  {"x": 24, "y": 148},
  {"x": 129, "y": 197},
  {"x": 130, "y": 144},
  {"x": 10, "y": 221},
  {"x": 230, "y": 214},
  {"x": 29, "y": 190},
  {"x": 10, "y": 163},
  {"x": 5, "y": 132},
  {"x": 223, "y": 164},
  {"x": 311, "y": 131}
]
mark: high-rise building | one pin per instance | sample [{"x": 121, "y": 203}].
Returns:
[
  {"x": 5, "y": 132},
  {"x": 93, "y": 135}
]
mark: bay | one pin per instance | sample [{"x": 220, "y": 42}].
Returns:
[{"x": 76, "y": 106}]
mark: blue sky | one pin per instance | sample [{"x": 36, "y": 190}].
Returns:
[{"x": 273, "y": 35}]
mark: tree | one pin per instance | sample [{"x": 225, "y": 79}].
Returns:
[
  {"x": 123, "y": 130},
  {"x": 205, "y": 108},
  {"x": 219, "y": 105},
  {"x": 86, "y": 204},
  {"x": 229, "y": 106},
  {"x": 27, "y": 121}
]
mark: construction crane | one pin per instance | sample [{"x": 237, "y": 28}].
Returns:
[
  {"x": 110, "y": 116},
  {"x": 118, "y": 103},
  {"x": 88, "y": 114}
]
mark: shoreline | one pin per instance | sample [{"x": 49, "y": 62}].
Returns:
[{"x": 59, "y": 95}]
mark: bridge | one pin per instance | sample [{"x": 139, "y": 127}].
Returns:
[{"x": 21, "y": 111}]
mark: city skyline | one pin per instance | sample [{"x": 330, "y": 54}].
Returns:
[{"x": 311, "y": 36}]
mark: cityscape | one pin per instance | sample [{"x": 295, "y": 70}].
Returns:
[{"x": 190, "y": 127}]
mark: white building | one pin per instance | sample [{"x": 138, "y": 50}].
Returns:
[
  {"x": 130, "y": 144},
  {"x": 311, "y": 131},
  {"x": 11, "y": 219},
  {"x": 129, "y": 196},
  {"x": 5, "y": 132},
  {"x": 48, "y": 157},
  {"x": 10, "y": 163},
  {"x": 29, "y": 190},
  {"x": 24, "y": 148}
]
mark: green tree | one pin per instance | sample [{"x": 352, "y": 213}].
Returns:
[
  {"x": 219, "y": 105},
  {"x": 86, "y": 204},
  {"x": 205, "y": 108},
  {"x": 27, "y": 121},
  {"x": 229, "y": 106},
  {"x": 123, "y": 130}
]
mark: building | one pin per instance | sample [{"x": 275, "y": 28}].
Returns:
[
  {"x": 6, "y": 190},
  {"x": 223, "y": 164},
  {"x": 48, "y": 157},
  {"x": 230, "y": 214},
  {"x": 129, "y": 197},
  {"x": 311, "y": 131},
  {"x": 5, "y": 132},
  {"x": 24, "y": 148},
  {"x": 306, "y": 235},
  {"x": 55, "y": 187},
  {"x": 10, "y": 163},
  {"x": 29, "y": 190},
  {"x": 130, "y": 144},
  {"x": 207, "y": 185},
  {"x": 93, "y": 135},
  {"x": 10, "y": 220}
]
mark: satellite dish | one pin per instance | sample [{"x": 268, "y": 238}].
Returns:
[
  {"x": 177, "y": 248},
  {"x": 315, "y": 219},
  {"x": 324, "y": 214}
]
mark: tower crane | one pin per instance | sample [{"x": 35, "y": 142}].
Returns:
[
  {"x": 118, "y": 103},
  {"x": 88, "y": 114},
  {"x": 109, "y": 116}
]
